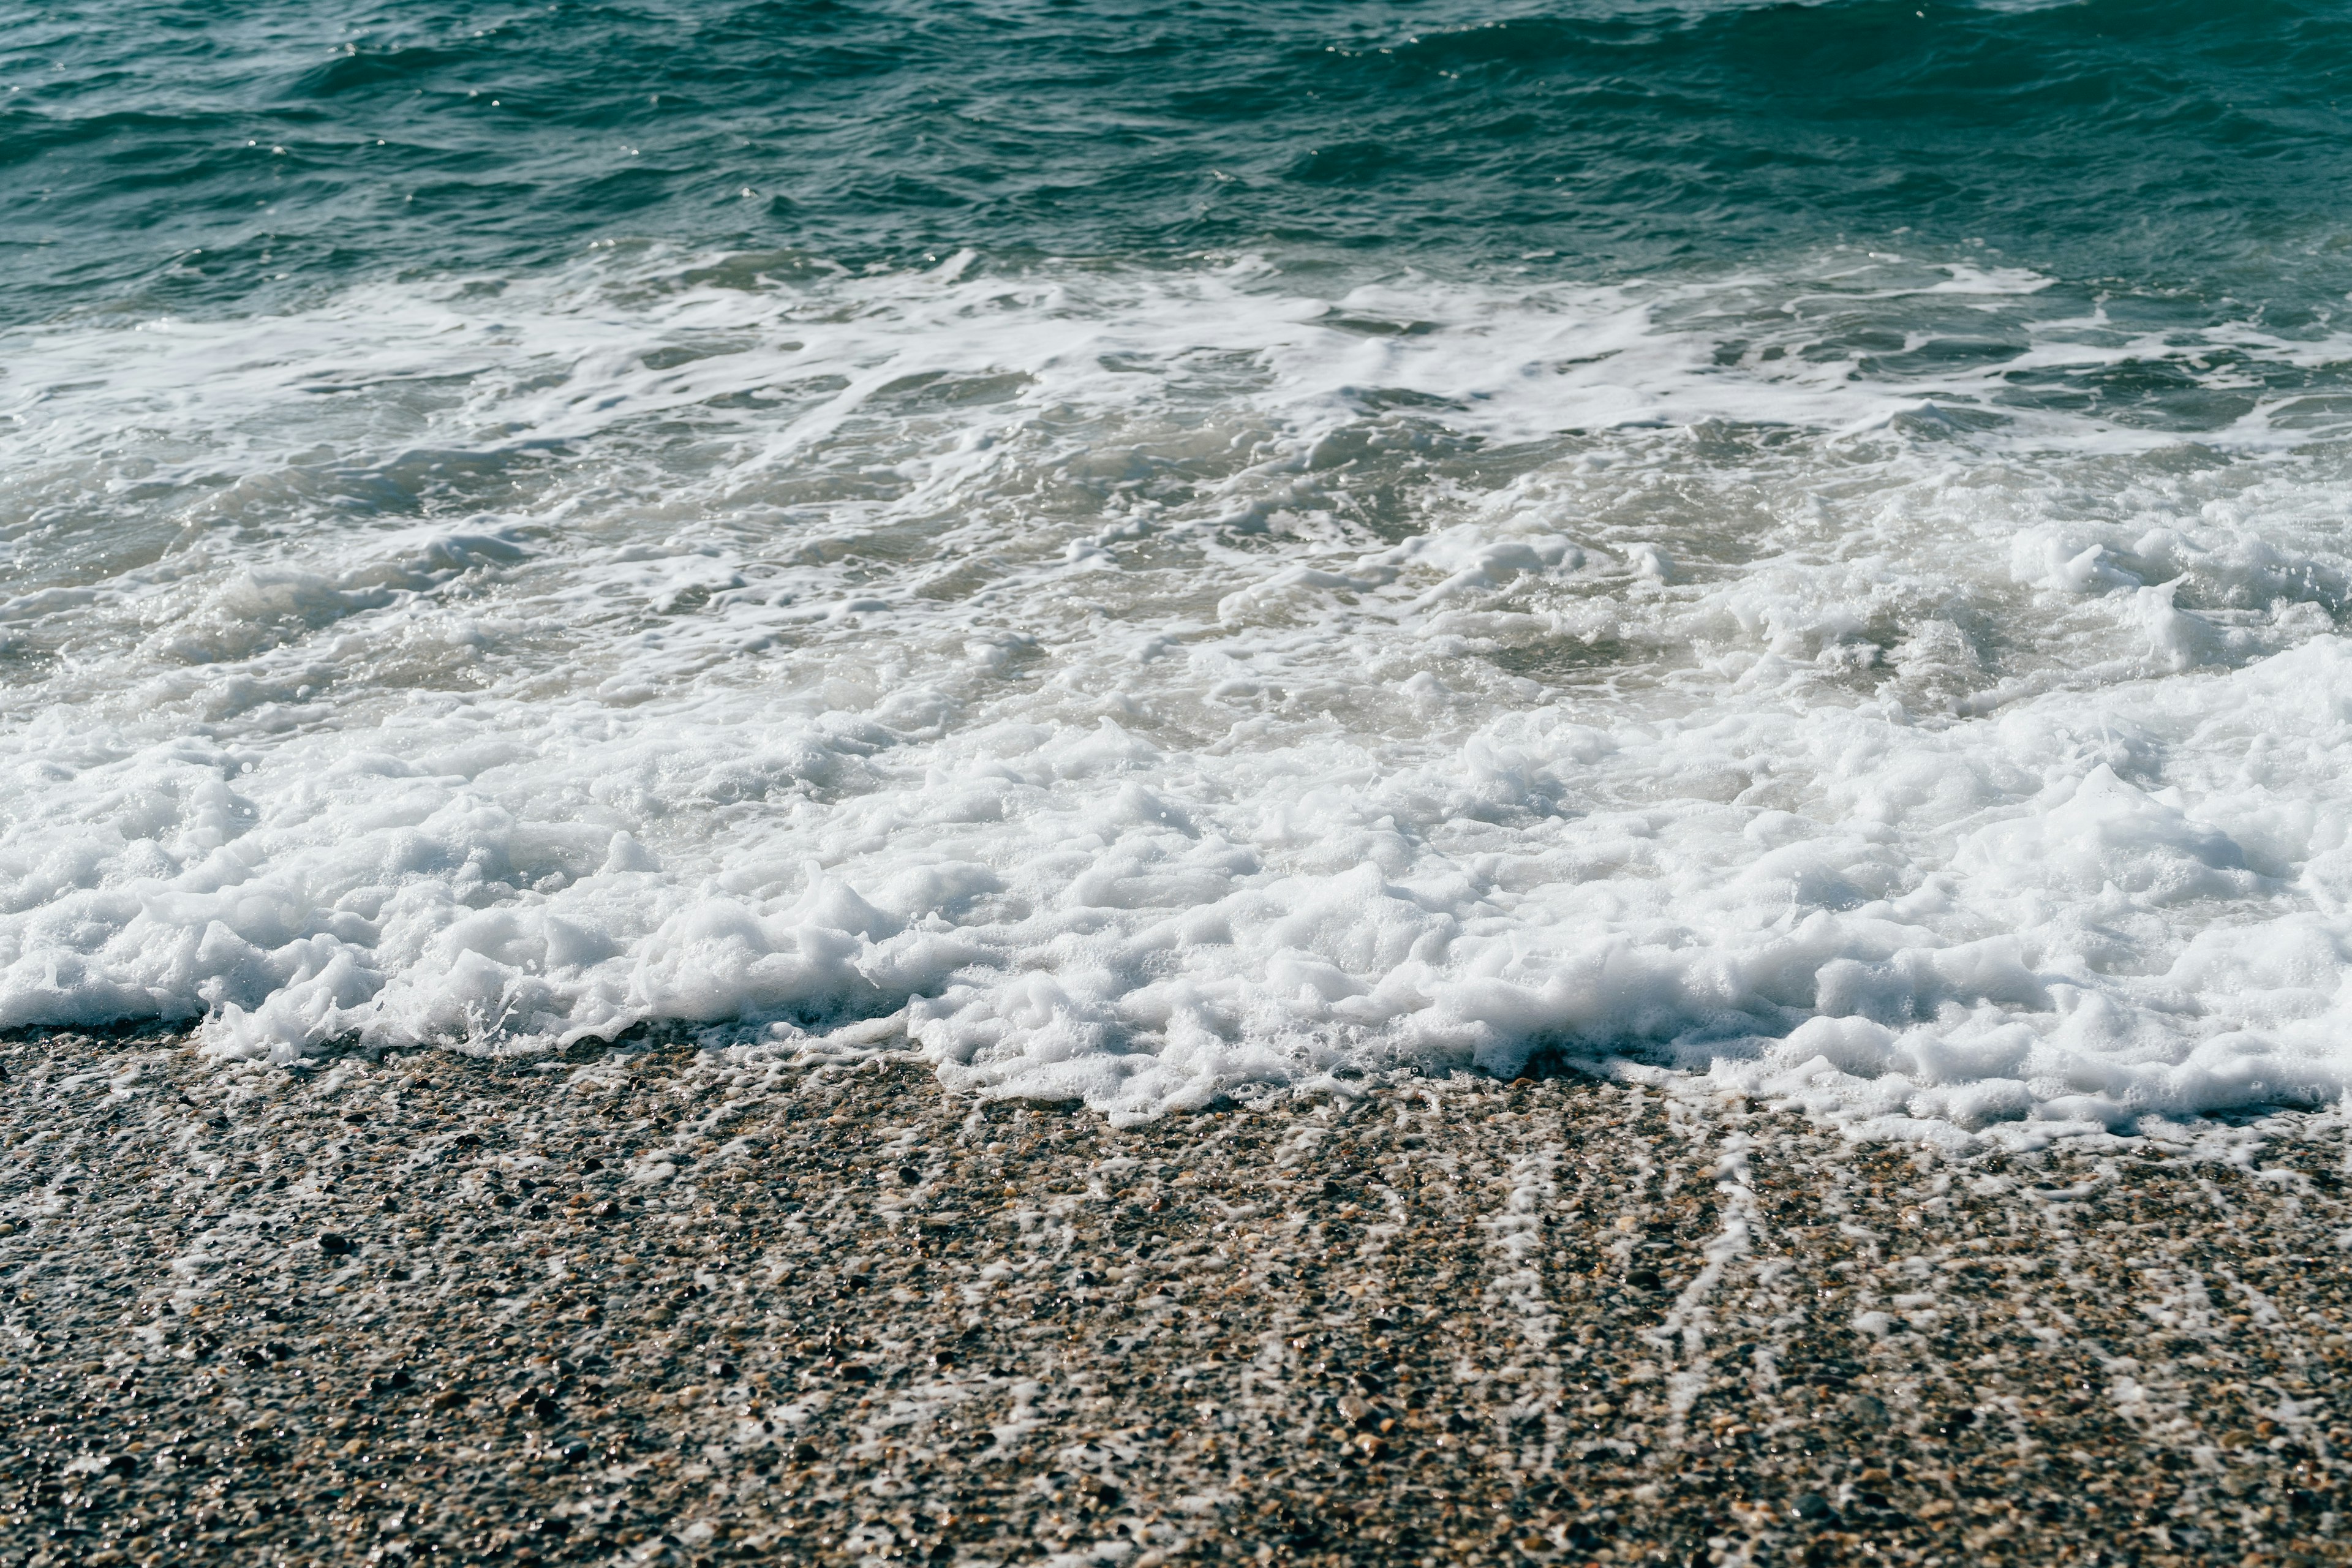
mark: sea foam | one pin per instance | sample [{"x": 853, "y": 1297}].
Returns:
[{"x": 1133, "y": 684}]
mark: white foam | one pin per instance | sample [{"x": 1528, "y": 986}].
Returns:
[{"x": 1146, "y": 683}]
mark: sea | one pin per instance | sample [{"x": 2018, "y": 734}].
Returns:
[{"x": 1154, "y": 553}]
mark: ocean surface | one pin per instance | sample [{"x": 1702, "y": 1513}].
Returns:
[{"x": 1166, "y": 548}]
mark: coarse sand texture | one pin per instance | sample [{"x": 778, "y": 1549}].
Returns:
[{"x": 667, "y": 1307}]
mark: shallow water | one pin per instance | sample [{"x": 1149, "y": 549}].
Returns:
[{"x": 1180, "y": 546}]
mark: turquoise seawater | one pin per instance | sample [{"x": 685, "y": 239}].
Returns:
[
  {"x": 2186, "y": 157},
  {"x": 1145, "y": 549}
]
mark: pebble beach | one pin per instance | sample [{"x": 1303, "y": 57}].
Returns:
[{"x": 656, "y": 1304}]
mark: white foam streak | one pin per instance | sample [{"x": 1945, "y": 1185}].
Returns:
[{"x": 1139, "y": 684}]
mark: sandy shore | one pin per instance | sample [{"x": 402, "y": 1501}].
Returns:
[{"x": 660, "y": 1307}]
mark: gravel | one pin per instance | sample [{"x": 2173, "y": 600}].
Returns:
[{"x": 660, "y": 1305}]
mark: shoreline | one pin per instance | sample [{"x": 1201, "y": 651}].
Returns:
[{"x": 656, "y": 1306}]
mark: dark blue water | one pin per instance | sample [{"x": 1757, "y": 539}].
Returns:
[{"x": 2188, "y": 156}]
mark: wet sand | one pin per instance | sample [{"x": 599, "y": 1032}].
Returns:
[{"x": 659, "y": 1305}]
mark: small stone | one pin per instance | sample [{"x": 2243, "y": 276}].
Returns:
[{"x": 333, "y": 1244}]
